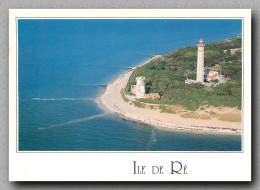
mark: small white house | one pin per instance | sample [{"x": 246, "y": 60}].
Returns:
[
  {"x": 213, "y": 73},
  {"x": 210, "y": 75}
]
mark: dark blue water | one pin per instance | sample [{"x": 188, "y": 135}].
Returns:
[{"x": 60, "y": 61}]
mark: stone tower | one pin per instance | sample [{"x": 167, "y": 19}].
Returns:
[
  {"x": 140, "y": 87},
  {"x": 200, "y": 62}
]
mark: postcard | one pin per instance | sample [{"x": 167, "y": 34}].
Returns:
[{"x": 130, "y": 95}]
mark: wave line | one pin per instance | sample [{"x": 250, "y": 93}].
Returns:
[
  {"x": 73, "y": 121},
  {"x": 151, "y": 140},
  {"x": 61, "y": 99},
  {"x": 67, "y": 123}
]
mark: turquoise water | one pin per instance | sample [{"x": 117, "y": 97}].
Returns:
[{"x": 60, "y": 63}]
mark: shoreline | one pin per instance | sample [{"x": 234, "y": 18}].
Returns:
[{"x": 112, "y": 101}]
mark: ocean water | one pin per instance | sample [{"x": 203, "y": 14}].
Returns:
[{"x": 62, "y": 65}]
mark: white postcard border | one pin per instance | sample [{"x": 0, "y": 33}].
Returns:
[{"x": 70, "y": 166}]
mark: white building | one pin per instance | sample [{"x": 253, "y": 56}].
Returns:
[
  {"x": 140, "y": 87},
  {"x": 200, "y": 62}
]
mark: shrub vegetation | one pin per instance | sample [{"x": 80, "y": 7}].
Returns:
[
  {"x": 138, "y": 104},
  {"x": 166, "y": 76},
  {"x": 122, "y": 92}
]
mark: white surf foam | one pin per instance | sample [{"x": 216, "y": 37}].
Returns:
[
  {"x": 73, "y": 121},
  {"x": 152, "y": 139},
  {"x": 61, "y": 99}
]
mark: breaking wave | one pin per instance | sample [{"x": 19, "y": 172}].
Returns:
[
  {"x": 73, "y": 121},
  {"x": 152, "y": 139},
  {"x": 61, "y": 99}
]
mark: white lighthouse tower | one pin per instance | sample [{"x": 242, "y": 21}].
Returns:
[
  {"x": 200, "y": 62},
  {"x": 140, "y": 87}
]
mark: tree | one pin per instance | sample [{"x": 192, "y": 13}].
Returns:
[{"x": 228, "y": 52}]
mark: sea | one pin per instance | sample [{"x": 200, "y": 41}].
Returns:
[{"x": 64, "y": 65}]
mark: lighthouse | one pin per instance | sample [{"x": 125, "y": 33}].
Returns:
[{"x": 200, "y": 62}]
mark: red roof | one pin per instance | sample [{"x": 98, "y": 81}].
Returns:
[
  {"x": 211, "y": 77},
  {"x": 201, "y": 41}
]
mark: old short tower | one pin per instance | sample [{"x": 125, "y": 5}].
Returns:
[
  {"x": 140, "y": 87},
  {"x": 200, "y": 62}
]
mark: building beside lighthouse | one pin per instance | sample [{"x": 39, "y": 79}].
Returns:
[
  {"x": 200, "y": 62},
  {"x": 205, "y": 77}
]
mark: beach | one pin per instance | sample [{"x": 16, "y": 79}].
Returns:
[{"x": 112, "y": 100}]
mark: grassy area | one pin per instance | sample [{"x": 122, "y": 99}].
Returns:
[
  {"x": 173, "y": 109},
  {"x": 138, "y": 104},
  {"x": 233, "y": 117},
  {"x": 214, "y": 115},
  {"x": 122, "y": 92},
  {"x": 165, "y": 109},
  {"x": 195, "y": 115}
]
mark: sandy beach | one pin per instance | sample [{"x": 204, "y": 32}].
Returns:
[{"x": 113, "y": 101}]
